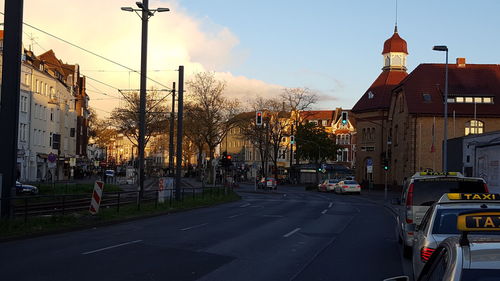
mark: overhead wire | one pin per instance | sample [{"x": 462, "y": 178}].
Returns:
[{"x": 90, "y": 52}]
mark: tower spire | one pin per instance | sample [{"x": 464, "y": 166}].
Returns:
[{"x": 396, "y": 22}]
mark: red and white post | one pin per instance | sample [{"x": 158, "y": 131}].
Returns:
[{"x": 96, "y": 197}]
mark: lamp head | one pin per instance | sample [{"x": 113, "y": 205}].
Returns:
[
  {"x": 140, "y": 5},
  {"x": 440, "y": 48},
  {"x": 159, "y": 10},
  {"x": 127, "y": 9}
]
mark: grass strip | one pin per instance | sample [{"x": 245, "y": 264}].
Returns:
[{"x": 17, "y": 228}]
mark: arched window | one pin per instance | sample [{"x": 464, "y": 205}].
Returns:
[{"x": 474, "y": 127}]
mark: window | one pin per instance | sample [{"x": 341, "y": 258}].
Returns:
[
  {"x": 370, "y": 95},
  {"x": 324, "y": 122},
  {"x": 468, "y": 99},
  {"x": 451, "y": 100},
  {"x": 487, "y": 100},
  {"x": 427, "y": 97},
  {"x": 459, "y": 99},
  {"x": 478, "y": 100},
  {"x": 52, "y": 114},
  {"x": 72, "y": 132},
  {"x": 50, "y": 140},
  {"x": 363, "y": 135},
  {"x": 474, "y": 127}
]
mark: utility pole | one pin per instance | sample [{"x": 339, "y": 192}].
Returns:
[
  {"x": 180, "y": 105},
  {"x": 142, "y": 96},
  {"x": 9, "y": 106},
  {"x": 171, "y": 136}
]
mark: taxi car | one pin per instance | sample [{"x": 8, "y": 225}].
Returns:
[
  {"x": 440, "y": 222},
  {"x": 463, "y": 258},
  {"x": 22, "y": 188},
  {"x": 421, "y": 191},
  {"x": 348, "y": 186}
]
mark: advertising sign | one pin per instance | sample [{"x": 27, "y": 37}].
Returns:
[{"x": 165, "y": 187}]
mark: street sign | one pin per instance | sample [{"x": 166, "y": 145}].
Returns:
[
  {"x": 51, "y": 165},
  {"x": 52, "y": 157},
  {"x": 369, "y": 162},
  {"x": 369, "y": 169},
  {"x": 72, "y": 162}
]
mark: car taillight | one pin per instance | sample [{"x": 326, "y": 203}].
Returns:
[
  {"x": 409, "y": 203},
  {"x": 345, "y": 186},
  {"x": 486, "y": 188},
  {"x": 426, "y": 253}
]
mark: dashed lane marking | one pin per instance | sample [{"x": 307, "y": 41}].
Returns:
[
  {"x": 245, "y": 205},
  {"x": 324, "y": 211},
  {"x": 330, "y": 205},
  {"x": 111, "y": 247},
  {"x": 194, "y": 226},
  {"x": 291, "y": 232}
]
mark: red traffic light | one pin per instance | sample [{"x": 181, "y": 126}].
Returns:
[{"x": 229, "y": 157}]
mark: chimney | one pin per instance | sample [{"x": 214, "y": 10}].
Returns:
[{"x": 460, "y": 62}]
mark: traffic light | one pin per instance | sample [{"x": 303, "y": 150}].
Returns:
[
  {"x": 292, "y": 139},
  {"x": 344, "y": 118},
  {"x": 386, "y": 164},
  {"x": 258, "y": 118},
  {"x": 229, "y": 163}
]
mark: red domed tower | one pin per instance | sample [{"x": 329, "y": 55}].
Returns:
[{"x": 395, "y": 52}]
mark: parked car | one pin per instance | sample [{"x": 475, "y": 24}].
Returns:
[
  {"x": 328, "y": 185},
  {"x": 267, "y": 183},
  {"x": 421, "y": 191},
  {"x": 463, "y": 258},
  {"x": 348, "y": 186},
  {"x": 440, "y": 222},
  {"x": 26, "y": 188}
]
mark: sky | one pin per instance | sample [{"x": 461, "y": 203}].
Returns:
[{"x": 259, "y": 47}]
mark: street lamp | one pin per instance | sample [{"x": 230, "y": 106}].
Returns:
[
  {"x": 146, "y": 13},
  {"x": 443, "y": 48}
]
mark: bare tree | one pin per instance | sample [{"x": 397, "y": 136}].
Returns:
[
  {"x": 126, "y": 118},
  {"x": 210, "y": 109}
]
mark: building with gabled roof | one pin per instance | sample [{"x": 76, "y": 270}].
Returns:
[
  {"x": 372, "y": 109},
  {"x": 417, "y": 113}
]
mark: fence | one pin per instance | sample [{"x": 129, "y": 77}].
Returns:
[{"x": 62, "y": 204}]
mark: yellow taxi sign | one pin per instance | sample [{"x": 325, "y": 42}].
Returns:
[
  {"x": 473, "y": 196},
  {"x": 438, "y": 174},
  {"x": 479, "y": 221}
]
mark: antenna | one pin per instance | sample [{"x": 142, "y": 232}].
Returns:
[
  {"x": 396, "y": 23},
  {"x": 32, "y": 39}
]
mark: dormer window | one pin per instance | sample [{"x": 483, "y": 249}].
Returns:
[{"x": 371, "y": 95}]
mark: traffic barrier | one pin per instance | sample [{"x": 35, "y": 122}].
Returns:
[{"x": 96, "y": 197}]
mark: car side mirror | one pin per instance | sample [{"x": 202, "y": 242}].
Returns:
[
  {"x": 396, "y": 201},
  {"x": 398, "y": 278},
  {"x": 410, "y": 227}
]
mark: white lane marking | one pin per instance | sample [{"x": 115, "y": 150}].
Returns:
[
  {"x": 111, "y": 247},
  {"x": 324, "y": 211},
  {"x": 273, "y": 216},
  {"x": 330, "y": 205},
  {"x": 245, "y": 205},
  {"x": 233, "y": 216},
  {"x": 194, "y": 226},
  {"x": 291, "y": 232}
]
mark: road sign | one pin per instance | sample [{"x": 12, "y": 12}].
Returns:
[
  {"x": 52, "y": 158},
  {"x": 369, "y": 162},
  {"x": 369, "y": 169},
  {"x": 72, "y": 162}
]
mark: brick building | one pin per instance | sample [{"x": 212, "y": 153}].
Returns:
[
  {"x": 416, "y": 113},
  {"x": 372, "y": 110}
]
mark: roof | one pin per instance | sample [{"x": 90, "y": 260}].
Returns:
[
  {"x": 317, "y": 114},
  {"x": 395, "y": 44},
  {"x": 473, "y": 80},
  {"x": 381, "y": 90}
]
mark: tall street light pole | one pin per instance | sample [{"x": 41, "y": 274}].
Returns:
[
  {"x": 146, "y": 13},
  {"x": 9, "y": 107},
  {"x": 445, "y": 146}
]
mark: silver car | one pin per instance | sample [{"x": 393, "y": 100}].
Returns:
[
  {"x": 440, "y": 222},
  {"x": 463, "y": 258},
  {"x": 421, "y": 191}
]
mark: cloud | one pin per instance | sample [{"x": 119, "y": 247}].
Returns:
[{"x": 174, "y": 38}]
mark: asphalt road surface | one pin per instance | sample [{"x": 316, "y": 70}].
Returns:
[{"x": 290, "y": 235}]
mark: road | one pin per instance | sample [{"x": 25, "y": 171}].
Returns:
[{"x": 289, "y": 235}]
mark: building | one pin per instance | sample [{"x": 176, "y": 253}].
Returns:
[
  {"x": 47, "y": 117},
  {"x": 416, "y": 114},
  {"x": 372, "y": 109}
]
